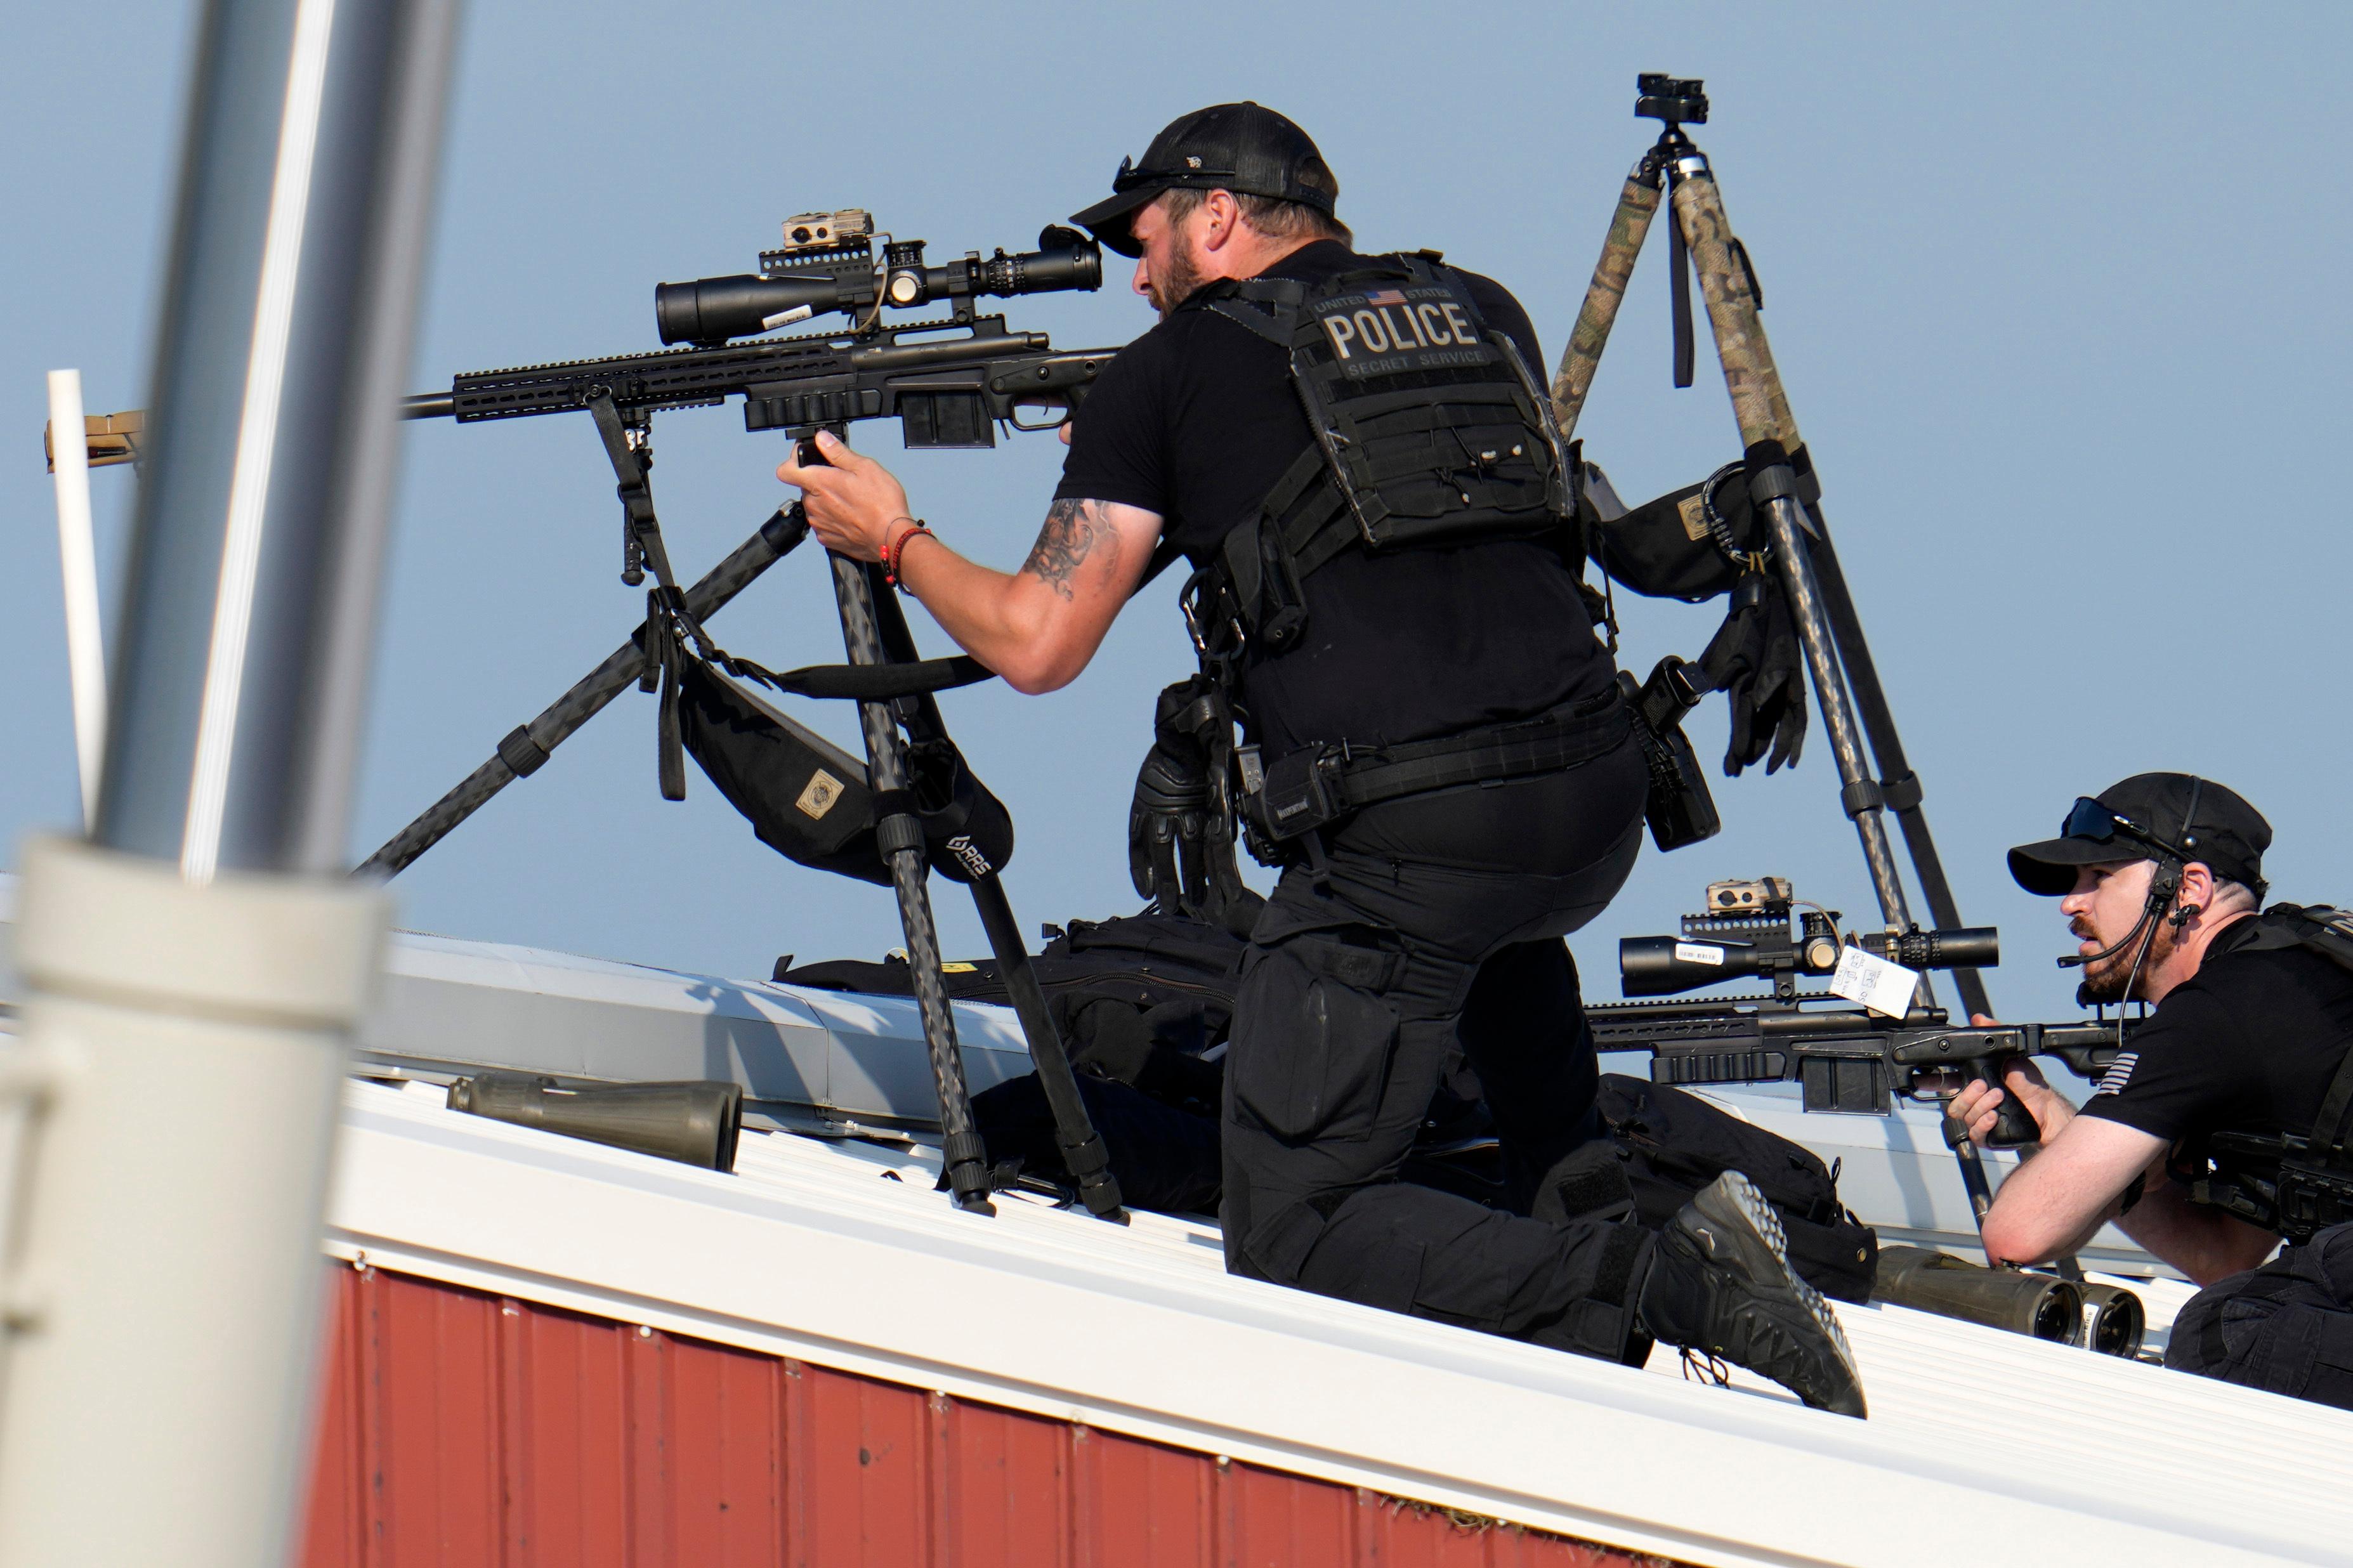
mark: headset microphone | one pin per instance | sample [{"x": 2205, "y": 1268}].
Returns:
[{"x": 2077, "y": 961}]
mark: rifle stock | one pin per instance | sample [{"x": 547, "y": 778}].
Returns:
[{"x": 946, "y": 392}]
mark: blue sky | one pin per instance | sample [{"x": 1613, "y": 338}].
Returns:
[{"x": 2054, "y": 290}]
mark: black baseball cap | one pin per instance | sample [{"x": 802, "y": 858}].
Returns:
[
  {"x": 1245, "y": 148},
  {"x": 2146, "y": 817}
]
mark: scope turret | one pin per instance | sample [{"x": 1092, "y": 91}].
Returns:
[
  {"x": 834, "y": 268},
  {"x": 1747, "y": 932}
]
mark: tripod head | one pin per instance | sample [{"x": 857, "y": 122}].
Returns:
[
  {"x": 1675, "y": 102},
  {"x": 1674, "y": 99}
]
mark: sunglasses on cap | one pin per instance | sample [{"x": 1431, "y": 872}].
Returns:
[
  {"x": 1130, "y": 177},
  {"x": 2088, "y": 819}
]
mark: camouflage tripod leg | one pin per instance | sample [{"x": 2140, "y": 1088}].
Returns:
[
  {"x": 1637, "y": 205},
  {"x": 1761, "y": 408}
]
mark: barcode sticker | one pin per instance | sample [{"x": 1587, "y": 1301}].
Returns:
[
  {"x": 1883, "y": 988},
  {"x": 1698, "y": 952}
]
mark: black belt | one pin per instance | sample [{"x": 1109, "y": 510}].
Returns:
[{"x": 1316, "y": 786}]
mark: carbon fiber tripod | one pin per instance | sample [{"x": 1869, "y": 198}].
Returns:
[{"x": 1852, "y": 702}]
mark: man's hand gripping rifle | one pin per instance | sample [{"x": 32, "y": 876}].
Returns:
[{"x": 1844, "y": 1057}]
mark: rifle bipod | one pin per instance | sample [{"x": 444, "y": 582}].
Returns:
[
  {"x": 874, "y": 631},
  {"x": 1788, "y": 495},
  {"x": 527, "y": 748}
]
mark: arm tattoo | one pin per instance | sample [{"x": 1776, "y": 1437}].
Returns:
[{"x": 1074, "y": 529}]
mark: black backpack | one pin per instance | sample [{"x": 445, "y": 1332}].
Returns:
[
  {"x": 1667, "y": 1143},
  {"x": 1140, "y": 1001}
]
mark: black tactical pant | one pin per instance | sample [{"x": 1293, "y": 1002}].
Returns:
[
  {"x": 1358, "y": 997},
  {"x": 2286, "y": 1326}
]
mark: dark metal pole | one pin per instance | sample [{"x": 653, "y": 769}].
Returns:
[
  {"x": 1763, "y": 413},
  {"x": 1897, "y": 782},
  {"x": 1761, "y": 408},
  {"x": 1084, "y": 1154}
]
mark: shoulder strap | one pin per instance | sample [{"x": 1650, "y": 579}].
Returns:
[
  {"x": 2329, "y": 1129},
  {"x": 1266, "y": 306}
]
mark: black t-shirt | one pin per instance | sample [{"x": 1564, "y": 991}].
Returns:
[
  {"x": 1197, "y": 420},
  {"x": 2248, "y": 1044}
]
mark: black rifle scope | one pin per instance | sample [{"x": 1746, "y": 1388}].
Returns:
[
  {"x": 1747, "y": 932},
  {"x": 795, "y": 286}
]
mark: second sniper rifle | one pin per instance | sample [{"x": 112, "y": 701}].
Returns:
[{"x": 1844, "y": 1059}]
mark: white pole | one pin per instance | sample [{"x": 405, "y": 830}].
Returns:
[
  {"x": 78, "y": 556},
  {"x": 184, "y": 1036}
]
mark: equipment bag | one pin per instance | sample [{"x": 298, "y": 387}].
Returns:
[
  {"x": 2286, "y": 1328},
  {"x": 1144, "y": 1005},
  {"x": 1663, "y": 1144},
  {"x": 1144, "y": 1001},
  {"x": 810, "y": 801}
]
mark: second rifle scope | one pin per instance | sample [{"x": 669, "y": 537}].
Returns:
[
  {"x": 794, "y": 286},
  {"x": 1745, "y": 933}
]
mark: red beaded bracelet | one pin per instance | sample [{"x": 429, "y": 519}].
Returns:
[{"x": 894, "y": 551}]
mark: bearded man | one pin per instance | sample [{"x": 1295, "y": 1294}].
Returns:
[{"x": 2219, "y": 1128}]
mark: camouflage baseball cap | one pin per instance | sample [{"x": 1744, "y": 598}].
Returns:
[{"x": 1245, "y": 148}]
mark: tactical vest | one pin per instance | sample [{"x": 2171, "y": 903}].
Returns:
[
  {"x": 1430, "y": 430},
  {"x": 2294, "y": 1185}
]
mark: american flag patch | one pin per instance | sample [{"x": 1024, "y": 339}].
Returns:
[
  {"x": 1385, "y": 297},
  {"x": 2119, "y": 1073}
]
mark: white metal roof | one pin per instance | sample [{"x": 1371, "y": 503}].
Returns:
[{"x": 1978, "y": 1441}]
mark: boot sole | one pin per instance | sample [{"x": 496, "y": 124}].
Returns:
[{"x": 1734, "y": 1204}]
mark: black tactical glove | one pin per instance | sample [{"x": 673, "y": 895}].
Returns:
[
  {"x": 1169, "y": 815},
  {"x": 1755, "y": 661},
  {"x": 1180, "y": 832}
]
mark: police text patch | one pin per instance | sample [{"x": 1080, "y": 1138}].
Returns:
[{"x": 1380, "y": 332}]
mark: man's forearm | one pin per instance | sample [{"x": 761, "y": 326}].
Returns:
[
  {"x": 2203, "y": 1243},
  {"x": 972, "y": 603},
  {"x": 1038, "y": 627}
]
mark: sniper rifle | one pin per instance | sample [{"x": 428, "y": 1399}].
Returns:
[
  {"x": 946, "y": 392},
  {"x": 1844, "y": 1059}
]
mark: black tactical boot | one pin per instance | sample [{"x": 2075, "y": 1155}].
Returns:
[{"x": 1720, "y": 1282}]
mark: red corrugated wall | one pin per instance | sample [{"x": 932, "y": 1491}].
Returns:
[{"x": 463, "y": 1429}]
